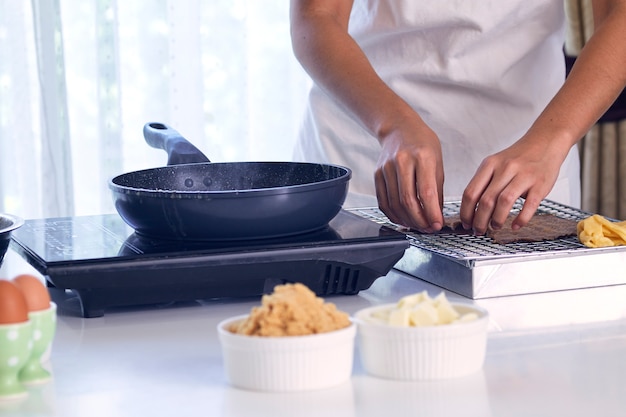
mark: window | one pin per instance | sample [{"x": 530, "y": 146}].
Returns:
[{"x": 78, "y": 80}]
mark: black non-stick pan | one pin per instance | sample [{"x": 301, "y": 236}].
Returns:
[{"x": 194, "y": 199}]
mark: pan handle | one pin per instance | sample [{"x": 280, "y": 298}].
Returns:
[{"x": 179, "y": 150}]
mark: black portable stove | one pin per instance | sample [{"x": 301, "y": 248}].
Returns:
[{"x": 106, "y": 264}]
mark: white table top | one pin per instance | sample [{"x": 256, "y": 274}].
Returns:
[{"x": 551, "y": 354}]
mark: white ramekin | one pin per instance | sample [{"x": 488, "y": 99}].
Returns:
[
  {"x": 422, "y": 353},
  {"x": 288, "y": 363}
]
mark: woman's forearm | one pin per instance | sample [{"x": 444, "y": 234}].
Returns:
[
  {"x": 319, "y": 31},
  {"x": 595, "y": 81}
]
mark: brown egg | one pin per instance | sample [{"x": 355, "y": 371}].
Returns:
[
  {"x": 13, "y": 307},
  {"x": 36, "y": 294}
]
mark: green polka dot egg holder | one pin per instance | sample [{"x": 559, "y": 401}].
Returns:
[{"x": 21, "y": 348}]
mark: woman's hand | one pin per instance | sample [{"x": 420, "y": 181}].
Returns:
[
  {"x": 409, "y": 177},
  {"x": 528, "y": 169}
]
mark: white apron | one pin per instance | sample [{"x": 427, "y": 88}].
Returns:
[{"x": 478, "y": 72}]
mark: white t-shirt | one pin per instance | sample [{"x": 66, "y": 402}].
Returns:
[{"x": 478, "y": 72}]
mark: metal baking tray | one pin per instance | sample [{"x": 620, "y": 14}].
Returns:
[{"x": 477, "y": 267}]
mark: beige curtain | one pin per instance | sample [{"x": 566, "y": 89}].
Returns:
[{"x": 603, "y": 149}]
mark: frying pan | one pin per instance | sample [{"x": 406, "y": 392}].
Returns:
[{"x": 195, "y": 199}]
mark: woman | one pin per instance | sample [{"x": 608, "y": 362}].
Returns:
[{"x": 408, "y": 92}]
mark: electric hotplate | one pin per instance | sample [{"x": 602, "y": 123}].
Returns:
[{"x": 106, "y": 264}]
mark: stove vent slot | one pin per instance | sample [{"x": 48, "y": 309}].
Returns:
[{"x": 340, "y": 280}]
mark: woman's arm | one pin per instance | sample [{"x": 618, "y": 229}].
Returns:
[
  {"x": 530, "y": 167},
  {"x": 409, "y": 176}
]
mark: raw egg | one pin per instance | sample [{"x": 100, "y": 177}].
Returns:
[
  {"x": 13, "y": 307},
  {"x": 36, "y": 294}
]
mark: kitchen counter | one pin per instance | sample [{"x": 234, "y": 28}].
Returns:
[{"x": 551, "y": 354}]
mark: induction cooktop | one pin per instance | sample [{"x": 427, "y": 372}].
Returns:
[{"x": 105, "y": 264}]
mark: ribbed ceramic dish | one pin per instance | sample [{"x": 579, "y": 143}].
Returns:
[
  {"x": 289, "y": 363},
  {"x": 422, "y": 353}
]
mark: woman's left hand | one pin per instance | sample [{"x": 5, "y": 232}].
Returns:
[{"x": 529, "y": 169}]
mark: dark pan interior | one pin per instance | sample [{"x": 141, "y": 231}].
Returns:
[{"x": 231, "y": 176}]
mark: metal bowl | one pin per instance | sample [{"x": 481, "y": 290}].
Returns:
[{"x": 8, "y": 223}]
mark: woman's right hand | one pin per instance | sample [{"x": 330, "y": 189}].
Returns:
[{"x": 409, "y": 177}]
